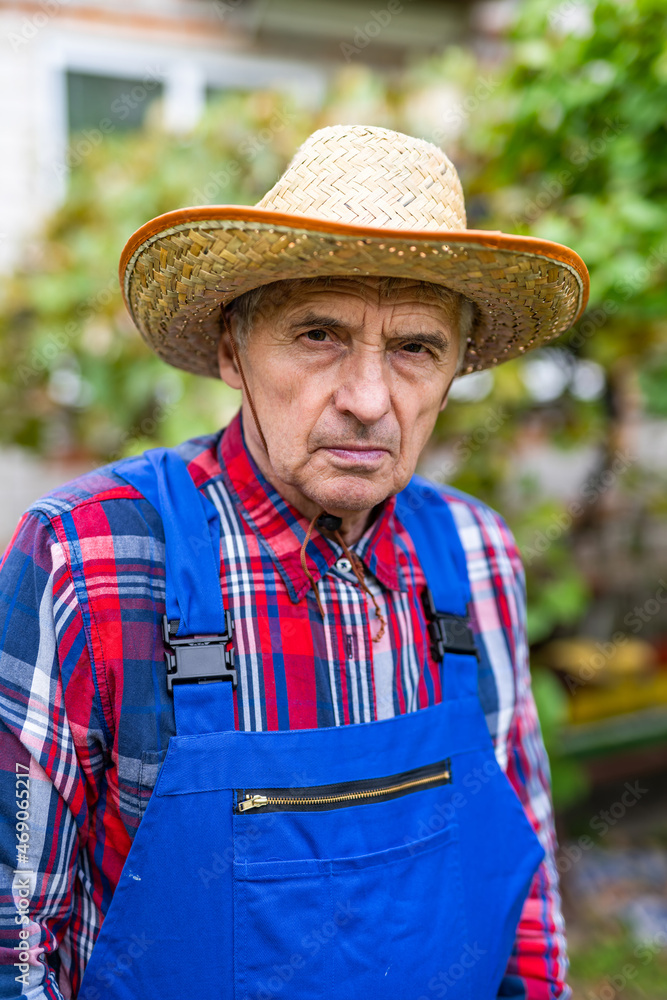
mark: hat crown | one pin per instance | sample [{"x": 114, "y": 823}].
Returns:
[{"x": 368, "y": 176}]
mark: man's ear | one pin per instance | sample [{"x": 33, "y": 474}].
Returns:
[{"x": 229, "y": 373}]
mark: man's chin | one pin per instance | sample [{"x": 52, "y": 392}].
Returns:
[{"x": 351, "y": 493}]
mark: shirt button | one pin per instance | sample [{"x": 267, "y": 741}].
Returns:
[{"x": 344, "y": 565}]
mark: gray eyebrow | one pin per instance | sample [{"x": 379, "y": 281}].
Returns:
[
  {"x": 437, "y": 339},
  {"x": 317, "y": 319}
]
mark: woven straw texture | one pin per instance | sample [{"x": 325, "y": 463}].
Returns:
[
  {"x": 366, "y": 177},
  {"x": 177, "y": 277}
]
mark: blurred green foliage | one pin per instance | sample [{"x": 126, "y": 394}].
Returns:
[
  {"x": 610, "y": 962},
  {"x": 571, "y": 147},
  {"x": 568, "y": 141},
  {"x": 563, "y": 138}
]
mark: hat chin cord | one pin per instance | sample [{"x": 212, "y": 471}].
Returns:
[{"x": 328, "y": 522}]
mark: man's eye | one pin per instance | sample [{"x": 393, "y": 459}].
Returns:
[
  {"x": 318, "y": 335},
  {"x": 413, "y": 348}
]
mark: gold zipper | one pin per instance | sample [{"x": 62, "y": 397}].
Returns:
[{"x": 255, "y": 801}]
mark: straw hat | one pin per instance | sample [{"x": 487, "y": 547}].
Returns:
[{"x": 355, "y": 200}]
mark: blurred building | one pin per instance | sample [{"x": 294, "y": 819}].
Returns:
[{"x": 93, "y": 67}]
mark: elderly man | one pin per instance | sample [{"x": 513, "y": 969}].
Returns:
[{"x": 267, "y": 721}]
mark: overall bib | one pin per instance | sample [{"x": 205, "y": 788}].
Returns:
[{"x": 385, "y": 860}]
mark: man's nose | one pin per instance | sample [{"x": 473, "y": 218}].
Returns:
[{"x": 363, "y": 390}]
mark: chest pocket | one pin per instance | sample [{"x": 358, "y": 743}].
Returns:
[{"x": 357, "y": 896}]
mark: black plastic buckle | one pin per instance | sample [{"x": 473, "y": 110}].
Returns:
[
  {"x": 197, "y": 659},
  {"x": 449, "y": 633}
]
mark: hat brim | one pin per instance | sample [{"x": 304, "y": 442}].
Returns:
[{"x": 179, "y": 268}]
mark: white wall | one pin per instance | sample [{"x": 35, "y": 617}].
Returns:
[{"x": 37, "y": 49}]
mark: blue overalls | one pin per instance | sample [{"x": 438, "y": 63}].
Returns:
[{"x": 386, "y": 860}]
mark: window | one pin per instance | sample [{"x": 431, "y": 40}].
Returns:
[{"x": 123, "y": 101}]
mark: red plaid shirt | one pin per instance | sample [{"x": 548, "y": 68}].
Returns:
[{"x": 84, "y": 708}]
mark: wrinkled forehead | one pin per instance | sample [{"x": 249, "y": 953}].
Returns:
[{"x": 286, "y": 295}]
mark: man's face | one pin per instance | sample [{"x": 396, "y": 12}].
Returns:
[{"x": 347, "y": 386}]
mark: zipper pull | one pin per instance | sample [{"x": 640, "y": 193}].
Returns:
[{"x": 252, "y": 802}]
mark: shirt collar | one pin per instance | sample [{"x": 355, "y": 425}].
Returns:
[{"x": 281, "y": 527}]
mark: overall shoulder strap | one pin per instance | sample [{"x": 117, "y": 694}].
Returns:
[
  {"x": 196, "y": 627},
  {"x": 427, "y": 517}
]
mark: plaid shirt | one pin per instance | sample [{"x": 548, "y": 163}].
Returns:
[{"x": 84, "y": 709}]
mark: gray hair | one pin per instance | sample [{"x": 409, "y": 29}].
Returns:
[{"x": 245, "y": 308}]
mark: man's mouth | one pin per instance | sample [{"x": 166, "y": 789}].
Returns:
[{"x": 357, "y": 454}]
